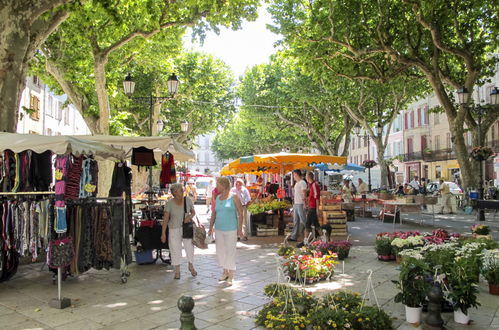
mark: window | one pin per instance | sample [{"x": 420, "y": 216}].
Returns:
[
  {"x": 424, "y": 142},
  {"x": 66, "y": 116},
  {"x": 406, "y": 123},
  {"x": 365, "y": 141},
  {"x": 411, "y": 120},
  {"x": 50, "y": 104},
  {"x": 438, "y": 172},
  {"x": 36, "y": 81},
  {"x": 58, "y": 109},
  {"x": 410, "y": 148},
  {"x": 436, "y": 118},
  {"x": 419, "y": 117},
  {"x": 352, "y": 144},
  {"x": 426, "y": 120},
  {"x": 437, "y": 142},
  {"x": 34, "y": 105},
  {"x": 358, "y": 142},
  {"x": 448, "y": 141}
]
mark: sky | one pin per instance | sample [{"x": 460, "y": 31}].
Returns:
[{"x": 252, "y": 44}]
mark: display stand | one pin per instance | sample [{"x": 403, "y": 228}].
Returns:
[{"x": 59, "y": 302}]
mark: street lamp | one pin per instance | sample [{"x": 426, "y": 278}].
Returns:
[
  {"x": 129, "y": 88},
  {"x": 367, "y": 138},
  {"x": 463, "y": 95}
]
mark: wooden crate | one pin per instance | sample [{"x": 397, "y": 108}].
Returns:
[
  {"x": 261, "y": 232},
  {"x": 330, "y": 207},
  {"x": 337, "y": 221}
]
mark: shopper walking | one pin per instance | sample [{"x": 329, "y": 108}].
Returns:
[
  {"x": 445, "y": 196},
  {"x": 244, "y": 196},
  {"x": 313, "y": 203},
  {"x": 299, "y": 194},
  {"x": 227, "y": 221},
  {"x": 178, "y": 210},
  {"x": 363, "y": 188}
]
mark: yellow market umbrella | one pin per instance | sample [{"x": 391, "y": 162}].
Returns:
[{"x": 281, "y": 162}]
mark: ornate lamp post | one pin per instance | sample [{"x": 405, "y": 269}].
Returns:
[
  {"x": 366, "y": 137},
  {"x": 463, "y": 96},
  {"x": 172, "y": 83}
]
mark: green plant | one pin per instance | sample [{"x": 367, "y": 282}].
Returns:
[
  {"x": 490, "y": 266},
  {"x": 480, "y": 229},
  {"x": 463, "y": 279},
  {"x": 285, "y": 251},
  {"x": 440, "y": 256},
  {"x": 412, "y": 282},
  {"x": 342, "y": 299},
  {"x": 384, "y": 246}
]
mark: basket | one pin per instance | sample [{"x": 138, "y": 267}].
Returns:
[{"x": 144, "y": 257}]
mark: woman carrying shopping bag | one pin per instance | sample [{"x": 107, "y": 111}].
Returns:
[{"x": 179, "y": 212}]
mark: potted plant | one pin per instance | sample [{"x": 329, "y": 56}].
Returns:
[
  {"x": 384, "y": 247},
  {"x": 490, "y": 269},
  {"x": 341, "y": 248},
  {"x": 285, "y": 250},
  {"x": 463, "y": 287},
  {"x": 481, "y": 153},
  {"x": 480, "y": 231},
  {"x": 413, "y": 286},
  {"x": 369, "y": 163},
  {"x": 410, "y": 242}
]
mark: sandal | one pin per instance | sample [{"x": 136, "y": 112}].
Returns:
[
  {"x": 177, "y": 276},
  {"x": 193, "y": 272},
  {"x": 223, "y": 277}
]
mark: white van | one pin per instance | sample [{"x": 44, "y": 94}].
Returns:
[{"x": 201, "y": 186}]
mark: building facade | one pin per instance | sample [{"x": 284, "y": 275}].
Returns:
[
  {"x": 206, "y": 161},
  {"x": 42, "y": 112}
]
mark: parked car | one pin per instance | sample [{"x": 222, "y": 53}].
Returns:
[
  {"x": 453, "y": 187},
  {"x": 201, "y": 186}
]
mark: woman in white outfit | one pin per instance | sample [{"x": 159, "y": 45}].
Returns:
[
  {"x": 227, "y": 219},
  {"x": 175, "y": 215}
]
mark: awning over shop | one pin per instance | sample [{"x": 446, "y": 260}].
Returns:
[
  {"x": 61, "y": 144},
  {"x": 163, "y": 143},
  {"x": 347, "y": 167},
  {"x": 280, "y": 163}
]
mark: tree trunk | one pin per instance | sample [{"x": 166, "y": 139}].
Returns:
[
  {"x": 101, "y": 90},
  {"x": 77, "y": 98},
  {"x": 380, "y": 149},
  {"x": 156, "y": 109},
  {"x": 22, "y": 31}
]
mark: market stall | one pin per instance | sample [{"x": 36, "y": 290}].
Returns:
[
  {"x": 48, "y": 192},
  {"x": 277, "y": 164}
]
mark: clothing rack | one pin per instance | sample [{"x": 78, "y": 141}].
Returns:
[
  {"x": 27, "y": 193},
  {"x": 123, "y": 266}
]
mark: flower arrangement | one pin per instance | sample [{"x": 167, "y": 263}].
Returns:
[
  {"x": 490, "y": 266},
  {"x": 340, "y": 248},
  {"x": 480, "y": 229},
  {"x": 310, "y": 268},
  {"x": 410, "y": 242},
  {"x": 481, "y": 153},
  {"x": 463, "y": 283},
  {"x": 292, "y": 308},
  {"x": 369, "y": 163}
]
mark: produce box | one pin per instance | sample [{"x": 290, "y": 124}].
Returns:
[
  {"x": 332, "y": 207},
  {"x": 266, "y": 231}
]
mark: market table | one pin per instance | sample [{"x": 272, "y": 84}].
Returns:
[
  {"x": 489, "y": 204},
  {"x": 392, "y": 207}
]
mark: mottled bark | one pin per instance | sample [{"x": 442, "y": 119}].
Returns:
[{"x": 22, "y": 31}]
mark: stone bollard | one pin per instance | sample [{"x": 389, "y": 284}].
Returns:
[
  {"x": 186, "y": 305},
  {"x": 434, "y": 319}
]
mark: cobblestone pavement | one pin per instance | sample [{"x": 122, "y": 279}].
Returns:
[{"x": 149, "y": 299}]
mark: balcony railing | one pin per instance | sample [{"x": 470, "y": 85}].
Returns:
[{"x": 443, "y": 154}]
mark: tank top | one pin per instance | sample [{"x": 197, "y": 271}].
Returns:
[{"x": 226, "y": 214}]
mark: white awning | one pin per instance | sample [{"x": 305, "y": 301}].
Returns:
[
  {"x": 163, "y": 143},
  {"x": 61, "y": 144}
]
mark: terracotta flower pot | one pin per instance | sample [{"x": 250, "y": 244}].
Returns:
[{"x": 494, "y": 289}]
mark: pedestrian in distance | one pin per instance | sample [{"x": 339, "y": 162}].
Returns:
[
  {"x": 243, "y": 193},
  {"x": 226, "y": 221},
  {"x": 178, "y": 210},
  {"x": 299, "y": 195}
]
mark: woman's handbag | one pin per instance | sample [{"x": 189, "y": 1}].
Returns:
[
  {"x": 61, "y": 252},
  {"x": 199, "y": 235},
  {"x": 187, "y": 228}
]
